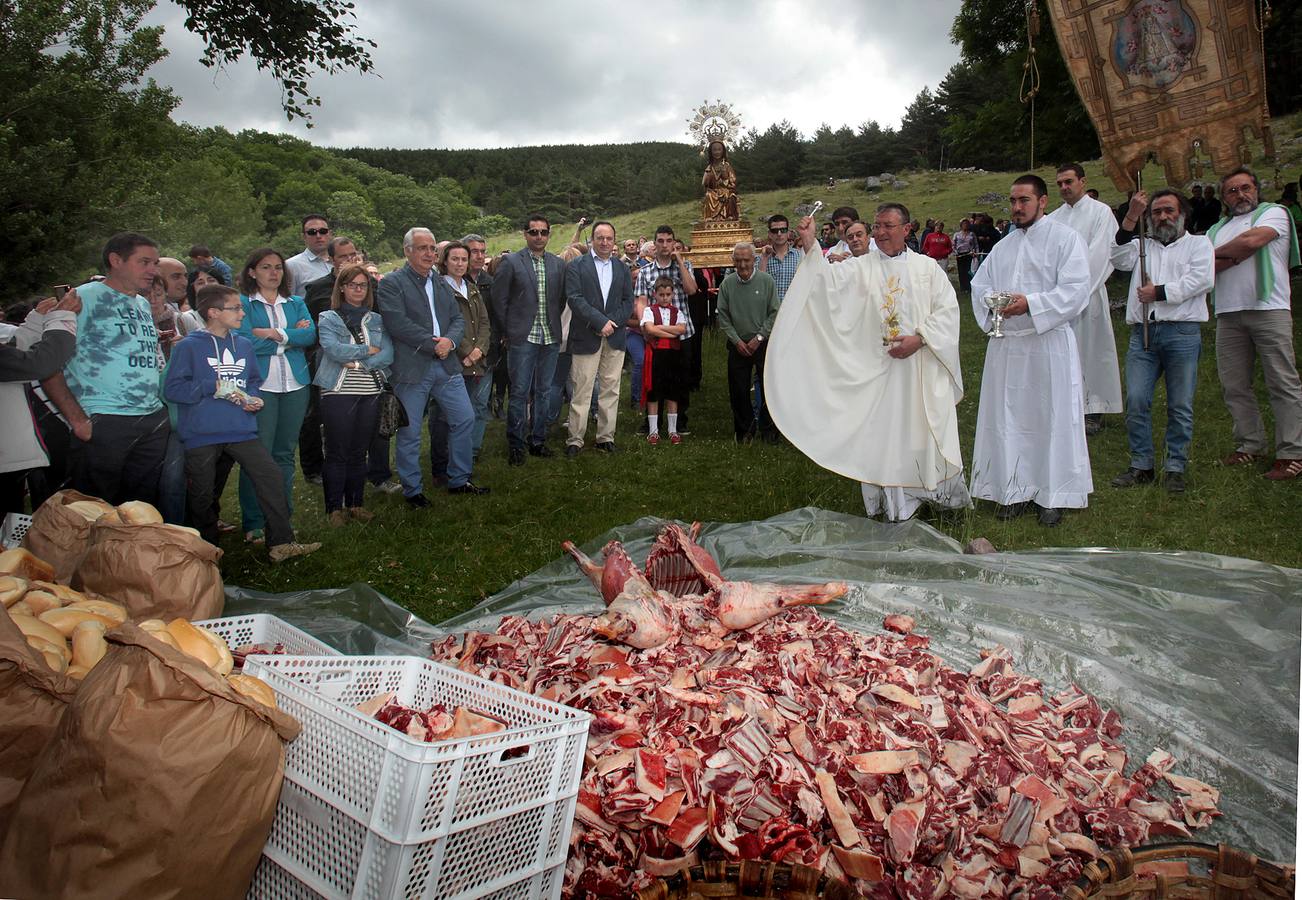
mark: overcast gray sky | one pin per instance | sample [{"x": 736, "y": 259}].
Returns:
[{"x": 517, "y": 73}]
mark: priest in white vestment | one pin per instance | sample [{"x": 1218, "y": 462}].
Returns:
[
  {"x": 1030, "y": 437},
  {"x": 862, "y": 372},
  {"x": 1097, "y": 342}
]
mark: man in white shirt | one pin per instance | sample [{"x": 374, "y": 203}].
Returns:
[
  {"x": 1030, "y": 437},
  {"x": 1172, "y": 296},
  {"x": 1097, "y": 343},
  {"x": 1255, "y": 246},
  {"x": 842, "y": 217},
  {"x": 314, "y": 261}
]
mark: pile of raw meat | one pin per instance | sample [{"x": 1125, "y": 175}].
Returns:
[{"x": 731, "y": 721}]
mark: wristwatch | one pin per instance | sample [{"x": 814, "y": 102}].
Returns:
[{"x": 759, "y": 337}]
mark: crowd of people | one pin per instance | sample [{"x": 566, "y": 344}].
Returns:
[{"x": 154, "y": 379}]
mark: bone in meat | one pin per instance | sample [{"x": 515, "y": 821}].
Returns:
[{"x": 742, "y": 604}]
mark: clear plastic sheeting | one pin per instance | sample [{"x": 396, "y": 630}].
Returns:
[{"x": 1198, "y": 653}]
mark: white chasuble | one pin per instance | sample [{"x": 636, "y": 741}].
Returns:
[{"x": 836, "y": 394}]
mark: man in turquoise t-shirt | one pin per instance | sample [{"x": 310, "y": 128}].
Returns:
[{"x": 109, "y": 390}]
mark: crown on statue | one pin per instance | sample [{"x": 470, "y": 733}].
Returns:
[{"x": 716, "y": 131}]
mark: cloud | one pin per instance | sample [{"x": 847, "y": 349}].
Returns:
[{"x": 516, "y": 73}]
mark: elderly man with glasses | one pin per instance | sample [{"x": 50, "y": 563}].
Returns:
[
  {"x": 863, "y": 373},
  {"x": 1256, "y": 245}
]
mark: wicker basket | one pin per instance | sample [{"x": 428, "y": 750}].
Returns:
[
  {"x": 719, "y": 880},
  {"x": 1231, "y": 875}
]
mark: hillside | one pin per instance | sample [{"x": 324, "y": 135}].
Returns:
[{"x": 947, "y": 195}]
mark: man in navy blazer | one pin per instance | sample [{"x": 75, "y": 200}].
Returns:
[
  {"x": 599, "y": 291},
  {"x": 532, "y": 320},
  {"x": 424, "y": 319}
]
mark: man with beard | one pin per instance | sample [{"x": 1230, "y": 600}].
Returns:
[
  {"x": 1255, "y": 248},
  {"x": 1173, "y": 298},
  {"x": 1030, "y": 436},
  {"x": 1095, "y": 340}
]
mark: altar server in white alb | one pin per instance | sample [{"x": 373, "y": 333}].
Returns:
[
  {"x": 862, "y": 370},
  {"x": 1172, "y": 296},
  {"x": 1097, "y": 226},
  {"x": 1030, "y": 437}
]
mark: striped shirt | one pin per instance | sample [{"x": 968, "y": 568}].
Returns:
[{"x": 784, "y": 269}]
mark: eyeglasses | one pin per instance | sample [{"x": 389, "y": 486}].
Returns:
[
  {"x": 231, "y": 308},
  {"x": 886, "y": 226},
  {"x": 360, "y": 285},
  {"x": 1246, "y": 189},
  {"x": 316, "y": 232},
  {"x": 782, "y": 230},
  {"x": 537, "y": 232}
]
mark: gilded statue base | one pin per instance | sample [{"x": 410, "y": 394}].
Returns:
[{"x": 712, "y": 241}]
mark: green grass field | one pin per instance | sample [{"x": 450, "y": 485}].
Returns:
[{"x": 441, "y": 561}]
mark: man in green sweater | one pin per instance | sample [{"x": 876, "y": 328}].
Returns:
[{"x": 748, "y": 304}]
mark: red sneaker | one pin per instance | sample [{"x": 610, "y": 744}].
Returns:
[
  {"x": 675, "y": 438},
  {"x": 1239, "y": 458},
  {"x": 1283, "y": 470},
  {"x": 653, "y": 438}
]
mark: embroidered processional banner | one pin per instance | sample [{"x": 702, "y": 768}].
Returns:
[{"x": 1156, "y": 76}]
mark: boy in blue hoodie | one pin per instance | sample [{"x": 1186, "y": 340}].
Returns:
[{"x": 213, "y": 379}]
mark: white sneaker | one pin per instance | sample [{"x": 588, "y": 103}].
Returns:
[{"x": 388, "y": 487}]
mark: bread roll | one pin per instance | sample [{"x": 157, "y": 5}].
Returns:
[
  {"x": 65, "y": 620},
  {"x": 152, "y": 625},
  {"x": 90, "y": 510},
  {"x": 76, "y": 672},
  {"x": 254, "y": 689},
  {"x": 192, "y": 642},
  {"x": 12, "y": 589},
  {"x": 65, "y": 594},
  {"x": 20, "y": 561},
  {"x": 88, "y": 644},
  {"x": 186, "y": 528},
  {"x": 106, "y": 609},
  {"x": 225, "y": 662},
  {"x": 21, "y": 609},
  {"x": 165, "y": 637},
  {"x": 110, "y": 517},
  {"x": 36, "y": 628},
  {"x": 41, "y": 645},
  {"x": 41, "y": 602},
  {"x": 55, "y": 661},
  {"x": 138, "y": 512}
]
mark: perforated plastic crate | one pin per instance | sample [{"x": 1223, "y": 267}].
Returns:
[
  {"x": 262, "y": 628},
  {"x": 15, "y": 526},
  {"x": 367, "y": 811},
  {"x": 271, "y": 882}
]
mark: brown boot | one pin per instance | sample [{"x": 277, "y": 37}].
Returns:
[
  {"x": 338, "y": 518},
  {"x": 361, "y": 514}
]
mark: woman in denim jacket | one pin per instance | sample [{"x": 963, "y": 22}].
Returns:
[
  {"x": 351, "y": 365},
  {"x": 279, "y": 327}
]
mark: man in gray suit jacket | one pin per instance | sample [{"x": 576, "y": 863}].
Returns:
[
  {"x": 599, "y": 291},
  {"x": 532, "y": 320},
  {"x": 425, "y": 322}
]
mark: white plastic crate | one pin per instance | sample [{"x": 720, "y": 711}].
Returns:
[
  {"x": 261, "y": 628},
  {"x": 15, "y": 526},
  {"x": 367, "y": 811},
  {"x": 271, "y": 882}
]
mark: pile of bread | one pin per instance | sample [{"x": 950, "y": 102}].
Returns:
[
  {"x": 133, "y": 512},
  {"x": 67, "y": 627}
]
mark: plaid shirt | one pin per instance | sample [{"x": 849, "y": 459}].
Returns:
[
  {"x": 647, "y": 277},
  {"x": 540, "y": 333},
  {"x": 783, "y": 270}
]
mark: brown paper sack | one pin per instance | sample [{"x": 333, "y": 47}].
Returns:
[
  {"x": 58, "y": 535},
  {"x": 32, "y": 701},
  {"x": 155, "y": 571},
  {"x": 161, "y": 781}
]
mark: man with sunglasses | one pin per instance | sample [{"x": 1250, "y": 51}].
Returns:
[
  {"x": 528, "y": 293},
  {"x": 314, "y": 261},
  {"x": 780, "y": 259}
]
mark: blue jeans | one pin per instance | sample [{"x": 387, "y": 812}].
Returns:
[
  {"x": 171, "y": 484},
  {"x": 560, "y": 387},
  {"x": 636, "y": 349},
  {"x": 1173, "y": 351},
  {"x": 478, "y": 388},
  {"x": 449, "y": 392},
  {"x": 532, "y": 366}
]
